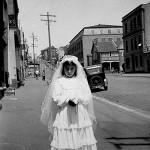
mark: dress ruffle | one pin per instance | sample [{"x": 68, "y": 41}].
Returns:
[
  {"x": 87, "y": 147},
  {"x": 72, "y": 129},
  {"x": 73, "y": 138}
]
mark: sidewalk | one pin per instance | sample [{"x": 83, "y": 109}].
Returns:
[
  {"x": 20, "y": 127},
  {"x": 143, "y": 75}
]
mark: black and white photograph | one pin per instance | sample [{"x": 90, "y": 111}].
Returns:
[{"x": 74, "y": 74}]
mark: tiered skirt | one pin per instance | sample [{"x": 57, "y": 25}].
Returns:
[{"x": 72, "y": 130}]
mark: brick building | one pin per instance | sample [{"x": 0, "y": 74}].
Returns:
[
  {"x": 136, "y": 39},
  {"x": 81, "y": 44},
  {"x": 106, "y": 53}
]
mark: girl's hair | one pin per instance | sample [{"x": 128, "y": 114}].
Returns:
[{"x": 67, "y": 63}]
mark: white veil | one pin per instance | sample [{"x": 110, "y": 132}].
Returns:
[{"x": 49, "y": 108}]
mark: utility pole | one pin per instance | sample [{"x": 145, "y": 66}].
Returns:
[
  {"x": 33, "y": 45},
  {"x": 49, "y": 50}
]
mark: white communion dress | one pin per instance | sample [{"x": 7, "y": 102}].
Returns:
[{"x": 72, "y": 128}]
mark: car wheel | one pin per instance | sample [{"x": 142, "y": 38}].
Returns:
[{"x": 105, "y": 88}]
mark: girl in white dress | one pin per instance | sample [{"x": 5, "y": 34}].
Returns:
[{"x": 68, "y": 108}]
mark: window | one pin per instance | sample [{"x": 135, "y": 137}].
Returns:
[
  {"x": 131, "y": 25},
  {"x": 101, "y": 31},
  {"x": 128, "y": 63},
  {"x": 134, "y": 23},
  {"x": 136, "y": 61},
  {"x": 126, "y": 28},
  {"x": 95, "y": 56},
  {"x": 103, "y": 39},
  {"x": 92, "y": 31},
  {"x": 140, "y": 40},
  {"x": 118, "y": 39},
  {"x": 126, "y": 46},
  {"x": 132, "y": 44},
  {"x": 109, "y": 39},
  {"x": 135, "y": 43},
  {"x": 139, "y": 20},
  {"x": 118, "y": 30},
  {"x": 109, "y": 31}
]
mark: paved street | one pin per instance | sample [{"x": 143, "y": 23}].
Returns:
[
  {"x": 118, "y": 127},
  {"x": 128, "y": 90}
]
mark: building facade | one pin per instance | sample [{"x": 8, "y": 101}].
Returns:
[
  {"x": 13, "y": 60},
  {"x": 81, "y": 44},
  {"x": 3, "y": 45},
  {"x": 136, "y": 39},
  {"x": 105, "y": 53}
]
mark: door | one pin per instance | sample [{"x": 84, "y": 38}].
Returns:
[
  {"x": 133, "y": 63},
  {"x": 148, "y": 65}
]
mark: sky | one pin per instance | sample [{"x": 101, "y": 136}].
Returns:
[{"x": 71, "y": 17}]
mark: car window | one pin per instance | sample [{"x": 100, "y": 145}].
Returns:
[{"x": 93, "y": 70}]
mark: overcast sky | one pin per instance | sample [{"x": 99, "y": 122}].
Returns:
[{"x": 71, "y": 17}]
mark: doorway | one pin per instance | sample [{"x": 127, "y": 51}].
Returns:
[
  {"x": 148, "y": 65},
  {"x": 133, "y": 63}
]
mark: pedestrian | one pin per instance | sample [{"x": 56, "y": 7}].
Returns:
[
  {"x": 68, "y": 108},
  {"x": 37, "y": 74},
  {"x": 43, "y": 75}
]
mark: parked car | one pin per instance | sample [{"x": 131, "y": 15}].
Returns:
[{"x": 96, "y": 77}]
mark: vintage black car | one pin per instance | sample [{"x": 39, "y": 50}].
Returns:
[{"x": 96, "y": 77}]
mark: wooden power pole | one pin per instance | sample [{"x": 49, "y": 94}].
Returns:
[
  {"x": 33, "y": 45},
  {"x": 48, "y": 21}
]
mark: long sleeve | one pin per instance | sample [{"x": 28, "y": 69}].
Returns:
[
  {"x": 59, "y": 97},
  {"x": 84, "y": 95}
]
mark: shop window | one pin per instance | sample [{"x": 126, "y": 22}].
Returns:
[
  {"x": 127, "y": 63},
  {"x": 141, "y": 61}
]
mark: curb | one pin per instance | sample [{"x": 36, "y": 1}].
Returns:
[{"x": 127, "y": 75}]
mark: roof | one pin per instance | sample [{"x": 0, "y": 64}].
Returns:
[
  {"x": 103, "y": 26},
  {"x": 106, "y": 47}
]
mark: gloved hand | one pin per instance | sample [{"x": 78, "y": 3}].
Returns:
[{"x": 71, "y": 103}]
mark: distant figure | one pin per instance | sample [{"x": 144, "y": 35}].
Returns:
[
  {"x": 121, "y": 70},
  {"x": 37, "y": 74},
  {"x": 43, "y": 75}
]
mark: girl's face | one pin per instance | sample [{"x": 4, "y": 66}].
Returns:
[{"x": 69, "y": 70}]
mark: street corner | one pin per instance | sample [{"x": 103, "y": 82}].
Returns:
[{"x": 1, "y": 106}]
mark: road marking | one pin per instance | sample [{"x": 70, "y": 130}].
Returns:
[{"x": 124, "y": 107}]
